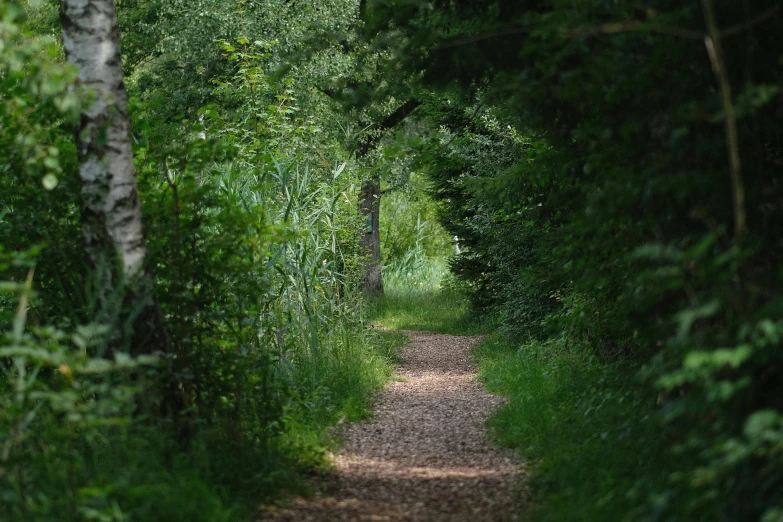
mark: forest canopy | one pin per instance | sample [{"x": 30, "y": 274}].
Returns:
[{"x": 196, "y": 222}]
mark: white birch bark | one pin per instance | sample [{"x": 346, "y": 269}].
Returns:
[
  {"x": 112, "y": 227},
  {"x": 111, "y": 211}
]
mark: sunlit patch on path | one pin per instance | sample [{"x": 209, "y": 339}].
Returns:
[{"x": 425, "y": 454}]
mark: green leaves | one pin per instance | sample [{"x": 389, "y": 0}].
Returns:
[
  {"x": 36, "y": 85},
  {"x": 718, "y": 359},
  {"x": 604, "y": 221},
  {"x": 686, "y": 318}
]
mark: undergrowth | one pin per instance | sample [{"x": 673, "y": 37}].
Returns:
[
  {"x": 255, "y": 259},
  {"x": 589, "y": 432},
  {"x": 419, "y": 296},
  {"x": 592, "y": 440},
  {"x": 87, "y": 458}
]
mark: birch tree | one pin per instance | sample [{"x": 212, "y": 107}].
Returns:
[{"x": 112, "y": 226}]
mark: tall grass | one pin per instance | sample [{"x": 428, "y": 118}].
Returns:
[
  {"x": 256, "y": 261},
  {"x": 417, "y": 299},
  {"x": 589, "y": 432},
  {"x": 419, "y": 294},
  {"x": 271, "y": 350},
  {"x": 593, "y": 443},
  {"x": 415, "y": 272}
]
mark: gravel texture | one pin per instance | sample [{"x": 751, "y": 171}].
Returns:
[{"x": 424, "y": 456}]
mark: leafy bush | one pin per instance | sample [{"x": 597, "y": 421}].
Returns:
[
  {"x": 593, "y": 437},
  {"x": 254, "y": 252},
  {"x": 637, "y": 221}
]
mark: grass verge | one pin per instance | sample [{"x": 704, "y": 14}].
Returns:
[
  {"x": 138, "y": 472},
  {"x": 436, "y": 310},
  {"x": 588, "y": 430},
  {"x": 592, "y": 438}
]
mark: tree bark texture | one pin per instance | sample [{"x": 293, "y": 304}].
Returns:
[
  {"x": 370, "y": 201},
  {"x": 112, "y": 227},
  {"x": 370, "y": 207}
]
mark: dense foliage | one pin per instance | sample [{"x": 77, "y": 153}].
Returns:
[
  {"x": 249, "y": 197},
  {"x": 609, "y": 171},
  {"x": 615, "y": 184}
]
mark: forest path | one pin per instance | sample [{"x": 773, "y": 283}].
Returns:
[{"x": 424, "y": 456}]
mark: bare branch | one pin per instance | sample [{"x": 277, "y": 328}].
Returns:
[
  {"x": 371, "y": 141},
  {"x": 633, "y": 26},
  {"x": 715, "y": 51},
  {"x": 507, "y": 31},
  {"x": 759, "y": 18}
]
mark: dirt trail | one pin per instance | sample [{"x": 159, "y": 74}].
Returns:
[{"x": 424, "y": 456}]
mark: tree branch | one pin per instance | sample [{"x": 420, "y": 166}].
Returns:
[
  {"x": 759, "y": 18},
  {"x": 715, "y": 51},
  {"x": 631, "y": 26},
  {"x": 505, "y": 31},
  {"x": 635, "y": 26},
  {"x": 370, "y": 141}
]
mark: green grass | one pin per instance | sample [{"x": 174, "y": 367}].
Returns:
[
  {"x": 595, "y": 445},
  {"x": 588, "y": 431},
  {"x": 346, "y": 374},
  {"x": 353, "y": 368},
  {"x": 415, "y": 299},
  {"x": 137, "y": 471},
  {"x": 429, "y": 310}
]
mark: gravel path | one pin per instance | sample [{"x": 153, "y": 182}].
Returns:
[{"x": 424, "y": 456}]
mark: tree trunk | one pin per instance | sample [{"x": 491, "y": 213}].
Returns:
[
  {"x": 112, "y": 227},
  {"x": 370, "y": 201},
  {"x": 370, "y": 208}
]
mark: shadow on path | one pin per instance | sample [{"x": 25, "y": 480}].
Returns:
[{"x": 425, "y": 455}]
